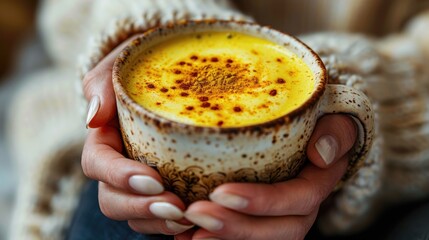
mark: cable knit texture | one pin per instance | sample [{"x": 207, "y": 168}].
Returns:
[
  {"x": 352, "y": 60},
  {"x": 52, "y": 178},
  {"x": 46, "y": 136}
]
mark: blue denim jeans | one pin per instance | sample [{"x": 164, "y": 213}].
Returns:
[{"x": 89, "y": 223}]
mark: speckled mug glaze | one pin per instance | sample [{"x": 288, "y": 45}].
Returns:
[{"x": 193, "y": 160}]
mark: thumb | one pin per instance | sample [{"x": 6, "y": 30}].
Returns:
[
  {"x": 333, "y": 137},
  {"x": 98, "y": 90}
]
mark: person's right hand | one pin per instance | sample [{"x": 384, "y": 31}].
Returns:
[{"x": 128, "y": 190}]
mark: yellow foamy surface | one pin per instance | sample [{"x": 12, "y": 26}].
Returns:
[{"x": 223, "y": 79}]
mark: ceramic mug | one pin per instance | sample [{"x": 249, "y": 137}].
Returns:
[{"x": 193, "y": 160}]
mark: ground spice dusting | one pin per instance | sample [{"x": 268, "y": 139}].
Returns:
[
  {"x": 213, "y": 79},
  {"x": 203, "y": 99},
  {"x": 273, "y": 92},
  {"x": 205, "y": 104}
]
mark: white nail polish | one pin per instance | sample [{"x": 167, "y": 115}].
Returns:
[
  {"x": 93, "y": 107},
  {"x": 145, "y": 185},
  {"x": 229, "y": 200},
  {"x": 208, "y": 222},
  {"x": 177, "y": 227},
  {"x": 166, "y": 211},
  {"x": 327, "y": 147}
]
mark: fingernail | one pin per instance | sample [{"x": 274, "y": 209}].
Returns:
[
  {"x": 208, "y": 222},
  {"x": 93, "y": 107},
  {"x": 229, "y": 200},
  {"x": 327, "y": 147},
  {"x": 166, "y": 211},
  {"x": 145, "y": 185},
  {"x": 177, "y": 227}
]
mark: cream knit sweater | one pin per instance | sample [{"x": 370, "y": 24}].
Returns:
[{"x": 86, "y": 31}]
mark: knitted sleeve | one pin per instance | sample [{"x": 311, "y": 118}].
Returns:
[
  {"x": 391, "y": 71},
  {"x": 353, "y": 60},
  {"x": 146, "y": 14}
]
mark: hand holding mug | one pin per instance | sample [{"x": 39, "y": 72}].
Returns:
[{"x": 116, "y": 172}]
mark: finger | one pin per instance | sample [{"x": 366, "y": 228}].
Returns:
[
  {"x": 187, "y": 235},
  {"x": 98, "y": 90},
  {"x": 120, "y": 205},
  {"x": 158, "y": 226},
  {"x": 102, "y": 161},
  {"x": 299, "y": 196},
  {"x": 221, "y": 223},
  {"x": 333, "y": 136}
]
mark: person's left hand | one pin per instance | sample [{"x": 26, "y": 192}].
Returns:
[{"x": 284, "y": 210}]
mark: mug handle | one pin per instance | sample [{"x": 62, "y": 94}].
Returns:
[{"x": 346, "y": 100}]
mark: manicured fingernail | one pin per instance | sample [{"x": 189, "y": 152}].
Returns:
[
  {"x": 177, "y": 227},
  {"x": 229, "y": 200},
  {"x": 327, "y": 147},
  {"x": 145, "y": 185},
  {"x": 166, "y": 210},
  {"x": 93, "y": 107},
  {"x": 208, "y": 222}
]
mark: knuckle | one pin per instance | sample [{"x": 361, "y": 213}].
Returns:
[
  {"x": 304, "y": 227},
  {"x": 110, "y": 175},
  {"x": 105, "y": 206},
  {"x": 311, "y": 205},
  {"x": 349, "y": 131},
  {"x": 86, "y": 163},
  {"x": 347, "y": 122},
  {"x": 137, "y": 208},
  {"x": 99, "y": 74},
  {"x": 116, "y": 174},
  {"x": 245, "y": 233},
  {"x": 88, "y": 79},
  {"x": 272, "y": 205},
  {"x": 299, "y": 233},
  {"x": 313, "y": 200},
  {"x": 134, "y": 226}
]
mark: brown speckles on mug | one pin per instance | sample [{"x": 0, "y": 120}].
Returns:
[
  {"x": 274, "y": 140},
  {"x": 193, "y": 160}
]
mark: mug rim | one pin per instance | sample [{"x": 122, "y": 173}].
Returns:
[{"x": 122, "y": 95}]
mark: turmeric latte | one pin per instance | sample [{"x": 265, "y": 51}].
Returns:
[{"x": 223, "y": 79}]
